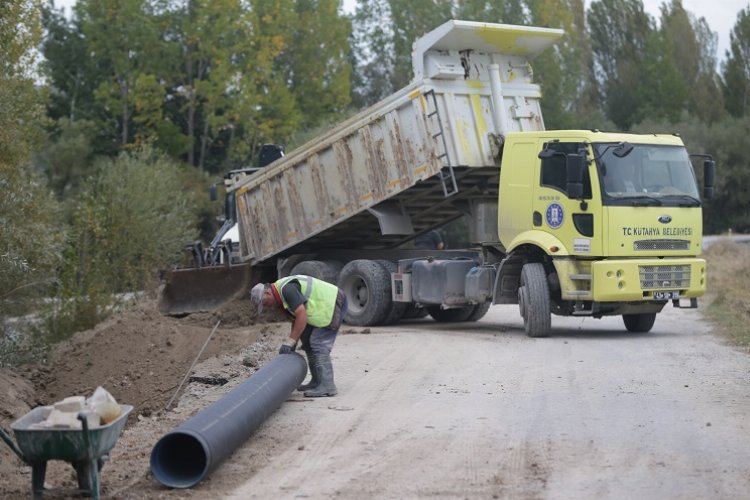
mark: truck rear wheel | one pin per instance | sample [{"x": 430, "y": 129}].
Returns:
[
  {"x": 395, "y": 309},
  {"x": 639, "y": 323},
  {"x": 454, "y": 315},
  {"x": 317, "y": 269},
  {"x": 335, "y": 267},
  {"x": 534, "y": 301},
  {"x": 366, "y": 285}
]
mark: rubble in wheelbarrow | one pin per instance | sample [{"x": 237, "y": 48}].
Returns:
[{"x": 100, "y": 409}]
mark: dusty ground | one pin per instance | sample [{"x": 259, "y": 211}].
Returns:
[{"x": 433, "y": 410}]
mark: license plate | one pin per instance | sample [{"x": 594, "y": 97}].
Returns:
[{"x": 667, "y": 295}]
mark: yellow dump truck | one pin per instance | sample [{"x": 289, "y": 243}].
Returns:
[
  {"x": 588, "y": 224},
  {"x": 562, "y": 222}
]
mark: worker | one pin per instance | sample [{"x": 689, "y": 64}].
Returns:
[
  {"x": 316, "y": 309},
  {"x": 431, "y": 240}
]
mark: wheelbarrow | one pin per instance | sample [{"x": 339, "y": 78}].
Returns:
[{"x": 86, "y": 449}]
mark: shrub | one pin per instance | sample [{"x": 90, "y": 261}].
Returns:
[{"x": 131, "y": 219}]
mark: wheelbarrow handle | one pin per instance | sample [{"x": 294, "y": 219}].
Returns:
[
  {"x": 13, "y": 445},
  {"x": 83, "y": 417},
  {"x": 93, "y": 467}
]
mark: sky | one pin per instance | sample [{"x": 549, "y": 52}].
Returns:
[{"x": 720, "y": 14}]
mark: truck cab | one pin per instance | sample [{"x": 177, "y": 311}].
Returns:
[{"x": 611, "y": 223}]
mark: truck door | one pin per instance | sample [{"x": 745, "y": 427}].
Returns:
[{"x": 575, "y": 222}]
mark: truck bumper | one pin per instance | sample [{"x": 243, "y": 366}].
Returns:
[{"x": 625, "y": 280}]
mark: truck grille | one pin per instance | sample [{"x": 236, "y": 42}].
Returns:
[
  {"x": 664, "y": 277},
  {"x": 661, "y": 245}
]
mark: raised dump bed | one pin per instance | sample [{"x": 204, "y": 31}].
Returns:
[{"x": 418, "y": 159}]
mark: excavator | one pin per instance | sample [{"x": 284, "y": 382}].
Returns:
[{"x": 216, "y": 274}]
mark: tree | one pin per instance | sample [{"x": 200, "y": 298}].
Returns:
[
  {"x": 564, "y": 71},
  {"x": 619, "y": 31},
  {"x": 270, "y": 106},
  {"x": 315, "y": 63},
  {"x": 125, "y": 38},
  {"x": 384, "y": 33},
  {"x": 692, "y": 47},
  {"x": 72, "y": 75},
  {"x": 412, "y": 19},
  {"x": 662, "y": 92},
  {"x": 212, "y": 42},
  {"x": 373, "y": 52},
  {"x": 736, "y": 68},
  {"x": 29, "y": 234}
]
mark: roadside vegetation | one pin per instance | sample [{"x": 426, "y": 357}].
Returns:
[
  {"x": 728, "y": 293},
  {"x": 118, "y": 116}
]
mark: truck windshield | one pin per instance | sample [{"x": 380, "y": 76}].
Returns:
[{"x": 646, "y": 175}]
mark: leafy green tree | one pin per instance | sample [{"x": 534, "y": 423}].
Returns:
[
  {"x": 213, "y": 41},
  {"x": 72, "y": 75},
  {"x": 29, "y": 234},
  {"x": 384, "y": 33},
  {"x": 68, "y": 156},
  {"x": 373, "y": 52},
  {"x": 316, "y": 62},
  {"x": 269, "y": 105},
  {"x": 736, "y": 68},
  {"x": 412, "y": 19},
  {"x": 692, "y": 46},
  {"x": 662, "y": 92},
  {"x": 619, "y": 31},
  {"x": 125, "y": 38},
  {"x": 564, "y": 71}
]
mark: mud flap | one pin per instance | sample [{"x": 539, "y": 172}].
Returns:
[{"x": 194, "y": 290}]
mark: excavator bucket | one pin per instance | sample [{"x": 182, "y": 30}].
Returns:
[{"x": 204, "y": 289}]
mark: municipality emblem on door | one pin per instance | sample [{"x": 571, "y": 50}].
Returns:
[{"x": 554, "y": 215}]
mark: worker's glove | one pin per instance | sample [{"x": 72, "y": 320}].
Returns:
[{"x": 287, "y": 347}]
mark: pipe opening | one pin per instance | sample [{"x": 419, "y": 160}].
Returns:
[{"x": 179, "y": 460}]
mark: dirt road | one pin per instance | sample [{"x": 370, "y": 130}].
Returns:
[
  {"x": 481, "y": 411},
  {"x": 428, "y": 410}
]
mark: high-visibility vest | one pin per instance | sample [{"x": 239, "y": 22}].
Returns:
[{"x": 320, "y": 295}]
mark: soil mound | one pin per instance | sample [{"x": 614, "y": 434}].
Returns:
[{"x": 140, "y": 356}]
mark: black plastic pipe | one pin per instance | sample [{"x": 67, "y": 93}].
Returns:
[{"x": 185, "y": 455}]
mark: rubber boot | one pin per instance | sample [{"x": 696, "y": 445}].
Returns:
[
  {"x": 325, "y": 387},
  {"x": 313, "y": 383}
]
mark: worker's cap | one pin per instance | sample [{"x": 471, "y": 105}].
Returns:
[{"x": 256, "y": 296}]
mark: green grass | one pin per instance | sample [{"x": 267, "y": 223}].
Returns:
[{"x": 729, "y": 291}]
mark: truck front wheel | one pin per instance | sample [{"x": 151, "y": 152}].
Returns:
[
  {"x": 534, "y": 301},
  {"x": 366, "y": 285},
  {"x": 639, "y": 323}
]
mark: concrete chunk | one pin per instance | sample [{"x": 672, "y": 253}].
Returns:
[{"x": 71, "y": 404}]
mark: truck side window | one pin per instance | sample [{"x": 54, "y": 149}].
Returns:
[{"x": 553, "y": 168}]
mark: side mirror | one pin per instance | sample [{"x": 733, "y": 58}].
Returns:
[
  {"x": 213, "y": 193},
  {"x": 547, "y": 153},
  {"x": 709, "y": 171},
  {"x": 623, "y": 149},
  {"x": 574, "y": 165}
]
